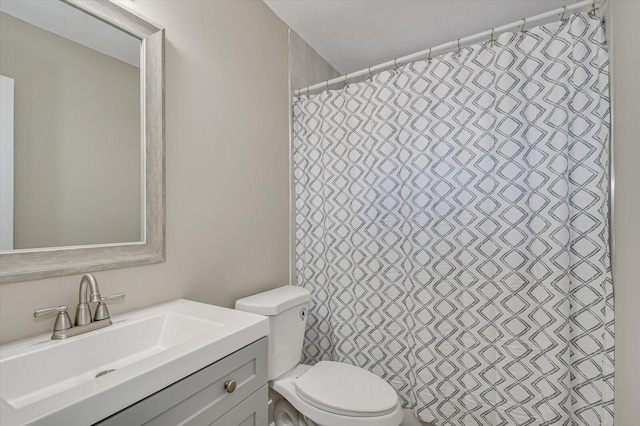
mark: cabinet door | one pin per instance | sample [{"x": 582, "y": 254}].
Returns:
[
  {"x": 250, "y": 412},
  {"x": 201, "y": 398}
]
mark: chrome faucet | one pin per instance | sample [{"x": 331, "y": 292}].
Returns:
[
  {"x": 83, "y": 312},
  {"x": 83, "y": 322}
]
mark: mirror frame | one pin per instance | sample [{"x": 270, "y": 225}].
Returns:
[{"x": 31, "y": 264}]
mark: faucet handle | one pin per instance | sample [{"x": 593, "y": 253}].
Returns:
[
  {"x": 112, "y": 297},
  {"x": 44, "y": 311},
  {"x": 102, "y": 313},
  {"x": 63, "y": 322}
]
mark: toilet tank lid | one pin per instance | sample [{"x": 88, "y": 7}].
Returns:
[{"x": 274, "y": 301}]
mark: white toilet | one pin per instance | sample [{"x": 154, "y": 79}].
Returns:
[{"x": 328, "y": 393}]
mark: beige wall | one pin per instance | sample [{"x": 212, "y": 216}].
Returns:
[
  {"x": 227, "y": 162},
  {"x": 77, "y": 140},
  {"x": 307, "y": 67},
  {"x": 625, "y": 23}
]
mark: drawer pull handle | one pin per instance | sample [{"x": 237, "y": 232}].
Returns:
[{"x": 230, "y": 385}]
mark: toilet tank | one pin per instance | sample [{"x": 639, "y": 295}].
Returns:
[{"x": 287, "y": 309}]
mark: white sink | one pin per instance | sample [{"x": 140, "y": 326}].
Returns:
[{"x": 43, "y": 381}]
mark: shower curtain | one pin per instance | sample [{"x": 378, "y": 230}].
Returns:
[{"x": 452, "y": 226}]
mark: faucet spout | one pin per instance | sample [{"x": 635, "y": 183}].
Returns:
[
  {"x": 89, "y": 293},
  {"x": 94, "y": 296}
]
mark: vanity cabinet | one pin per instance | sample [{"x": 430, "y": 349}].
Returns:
[{"x": 207, "y": 397}]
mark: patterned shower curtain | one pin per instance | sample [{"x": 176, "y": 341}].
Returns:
[{"x": 452, "y": 226}]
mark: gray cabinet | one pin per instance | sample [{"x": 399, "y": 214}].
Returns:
[
  {"x": 202, "y": 399},
  {"x": 250, "y": 412}
]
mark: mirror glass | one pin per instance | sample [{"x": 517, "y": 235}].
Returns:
[{"x": 71, "y": 160}]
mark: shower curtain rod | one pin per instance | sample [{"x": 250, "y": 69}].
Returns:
[{"x": 453, "y": 45}]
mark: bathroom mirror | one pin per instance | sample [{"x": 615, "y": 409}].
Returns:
[{"x": 82, "y": 138}]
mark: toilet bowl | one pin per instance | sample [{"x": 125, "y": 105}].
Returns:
[
  {"x": 327, "y": 393},
  {"x": 355, "y": 410},
  {"x": 284, "y": 414}
]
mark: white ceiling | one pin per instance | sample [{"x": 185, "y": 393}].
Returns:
[{"x": 354, "y": 34}]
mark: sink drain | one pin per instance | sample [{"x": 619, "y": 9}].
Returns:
[{"x": 102, "y": 373}]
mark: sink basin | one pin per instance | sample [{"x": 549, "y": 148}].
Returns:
[
  {"x": 89, "y": 377},
  {"x": 49, "y": 369}
]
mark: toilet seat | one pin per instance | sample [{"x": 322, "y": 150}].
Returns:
[
  {"x": 346, "y": 390},
  {"x": 285, "y": 385}
]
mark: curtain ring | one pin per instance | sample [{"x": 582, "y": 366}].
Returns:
[
  {"x": 395, "y": 64},
  {"x": 458, "y": 53},
  {"x": 563, "y": 20},
  {"x": 327, "y": 82},
  {"x": 492, "y": 40},
  {"x": 346, "y": 80},
  {"x": 429, "y": 56},
  {"x": 370, "y": 74},
  {"x": 523, "y": 32},
  {"x": 594, "y": 10},
  {"x": 564, "y": 10}
]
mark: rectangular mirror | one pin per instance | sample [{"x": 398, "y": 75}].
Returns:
[{"x": 82, "y": 139}]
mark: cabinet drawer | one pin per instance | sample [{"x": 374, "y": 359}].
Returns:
[
  {"x": 250, "y": 412},
  {"x": 201, "y": 398}
]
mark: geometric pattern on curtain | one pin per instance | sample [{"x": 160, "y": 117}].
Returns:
[{"x": 452, "y": 226}]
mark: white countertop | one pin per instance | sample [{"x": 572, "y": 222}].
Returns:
[{"x": 92, "y": 400}]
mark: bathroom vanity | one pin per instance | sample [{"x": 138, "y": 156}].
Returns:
[
  {"x": 232, "y": 391},
  {"x": 181, "y": 362}
]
